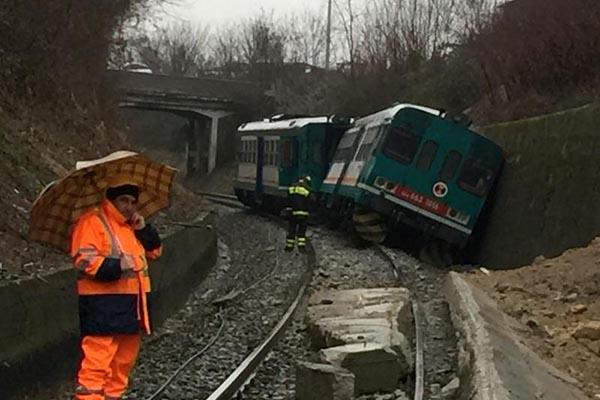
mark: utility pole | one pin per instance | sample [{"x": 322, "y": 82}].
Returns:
[{"x": 328, "y": 48}]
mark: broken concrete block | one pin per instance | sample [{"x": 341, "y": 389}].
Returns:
[
  {"x": 323, "y": 382},
  {"x": 342, "y": 317},
  {"x": 331, "y": 332},
  {"x": 376, "y": 368}
]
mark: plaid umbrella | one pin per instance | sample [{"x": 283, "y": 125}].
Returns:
[{"x": 65, "y": 200}]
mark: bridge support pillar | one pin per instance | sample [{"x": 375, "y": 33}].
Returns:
[
  {"x": 212, "y": 146},
  {"x": 191, "y": 148},
  {"x": 213, "y": 141},
  {"x": 202, "y": 132},
  {"x": 197, "y": 146}
]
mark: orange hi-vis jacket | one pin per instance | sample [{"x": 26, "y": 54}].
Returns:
[{"x": 112, "y": 300}]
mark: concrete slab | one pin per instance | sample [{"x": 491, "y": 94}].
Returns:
[
  {"x": 323, "y": 382},
  {"x": 391, "y": 304},
  {"x": 340, "y": 330},
  {"x": 364, "y": 297},
  {"x": 496, "y": 365},
  {"x": 379, "y": 315},
  {"x": 376, "y": 368}
]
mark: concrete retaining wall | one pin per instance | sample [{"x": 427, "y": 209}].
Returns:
[
  {"x": 494, "y": 364},
  {"x": 548, "y": 199},
  {"x": 39, "y": 321}
]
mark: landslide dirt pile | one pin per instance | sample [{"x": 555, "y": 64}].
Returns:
[{"x": 558, "y": 302}]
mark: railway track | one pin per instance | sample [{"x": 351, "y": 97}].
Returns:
[
  {"x": 246, "y": 370},
  {"x": 233, "y": 384},
  {"x": 417, "y": 313},
  {"x": 228, "y": 200},
  {"x": 435, "y": 361}
]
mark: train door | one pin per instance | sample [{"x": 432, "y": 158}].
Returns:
[
  {"x": 318, "y": 162},
  {"x": 270, "y": 176},
  {"x": 260, "y": 159},
  {"x": 288, "y": 161},
  {"x": 351, "y": 169}
]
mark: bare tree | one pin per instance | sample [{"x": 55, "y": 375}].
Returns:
[
  {"x": 474, "y": 16},
  {"x": 348, "y": 16},
  {"x": 262, "y": 45},
  {"x": 179, "y": 49},
  {"x": 227, "y": 53},
  {"x": 305, "y": 37}
]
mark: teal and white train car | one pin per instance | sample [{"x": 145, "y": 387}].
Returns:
[
  {"x": 411, "y": 166},
  {"x": 274, "y": 153}
]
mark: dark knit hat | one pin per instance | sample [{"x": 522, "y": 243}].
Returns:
[{"x": 131, "y": 190}]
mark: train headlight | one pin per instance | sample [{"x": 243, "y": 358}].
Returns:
[
  {"x": 458, "y": 216},
  {"x": 384, "y": 184}
]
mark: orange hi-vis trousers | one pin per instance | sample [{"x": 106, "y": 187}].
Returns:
[{"x": 105, "y": 367}]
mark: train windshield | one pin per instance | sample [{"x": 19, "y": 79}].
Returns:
[
  {"x": 475, "y": 177},
  {"x": 401, "y": 144},
  {"x": 344, "y": 150}
]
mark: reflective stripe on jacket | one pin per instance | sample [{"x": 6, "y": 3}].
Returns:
[
  {"x": 109, "y": 298},
  {"x": 299, "y": 198}
]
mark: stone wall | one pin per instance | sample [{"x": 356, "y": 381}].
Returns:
[{"x": 548, "y": 198}]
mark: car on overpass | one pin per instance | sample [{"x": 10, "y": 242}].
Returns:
[{"x": 137, "y": 67}]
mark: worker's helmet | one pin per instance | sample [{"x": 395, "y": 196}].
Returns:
[{"x": 305, "y": 180}]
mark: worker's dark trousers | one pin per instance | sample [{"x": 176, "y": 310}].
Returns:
[{"x": 296, "y": 232}]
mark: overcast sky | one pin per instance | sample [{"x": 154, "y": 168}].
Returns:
[{"x": 218, "y": 12}]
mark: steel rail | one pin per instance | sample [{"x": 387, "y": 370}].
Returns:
[
  {"x": 223, "y": 199},
  {"x": 416, "y": 309},
  {"x": 240, "y": 377},
  {"x": 218, "y": 195}
]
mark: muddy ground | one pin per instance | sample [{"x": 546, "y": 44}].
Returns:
[{"x": 558, "y": 302}]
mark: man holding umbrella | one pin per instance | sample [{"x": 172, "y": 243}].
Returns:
[
  {"x": 110, "y": 246},
  {"x": 110, "y": 243}
]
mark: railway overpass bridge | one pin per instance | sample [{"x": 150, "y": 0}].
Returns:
[{"x": 202, "y": 101}]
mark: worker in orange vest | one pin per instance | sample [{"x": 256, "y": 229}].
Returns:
[{"x": 110, "y": 245}]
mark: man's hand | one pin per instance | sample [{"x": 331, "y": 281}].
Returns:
[
  {"x": 128, "y": 263},
  {"x": 138, "y": 222}
]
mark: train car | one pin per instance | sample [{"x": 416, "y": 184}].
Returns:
[
  {"x": 274, "y": 153},
  {"x": 408, "y": 166}
]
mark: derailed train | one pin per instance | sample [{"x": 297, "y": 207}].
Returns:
[{"x": 406, "y": 168}]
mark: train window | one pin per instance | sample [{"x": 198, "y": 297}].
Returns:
[
  {"x": 427, "y": 155},
  {"x": 287, "y": 153},
  {"x": 450, "y": 165},
  {"x": 475, "y": 177},
  {"x": 369, "y": 135},
  {"x": 401, "y": 144},
  {"x": 368, "y": 144},
  {"x": 269, "y": 152},
  {"x": 362, "y": 153},
  {"x": 346, "y": 145}
]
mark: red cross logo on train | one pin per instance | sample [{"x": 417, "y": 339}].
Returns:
[{"x": 440, "y": 189}]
